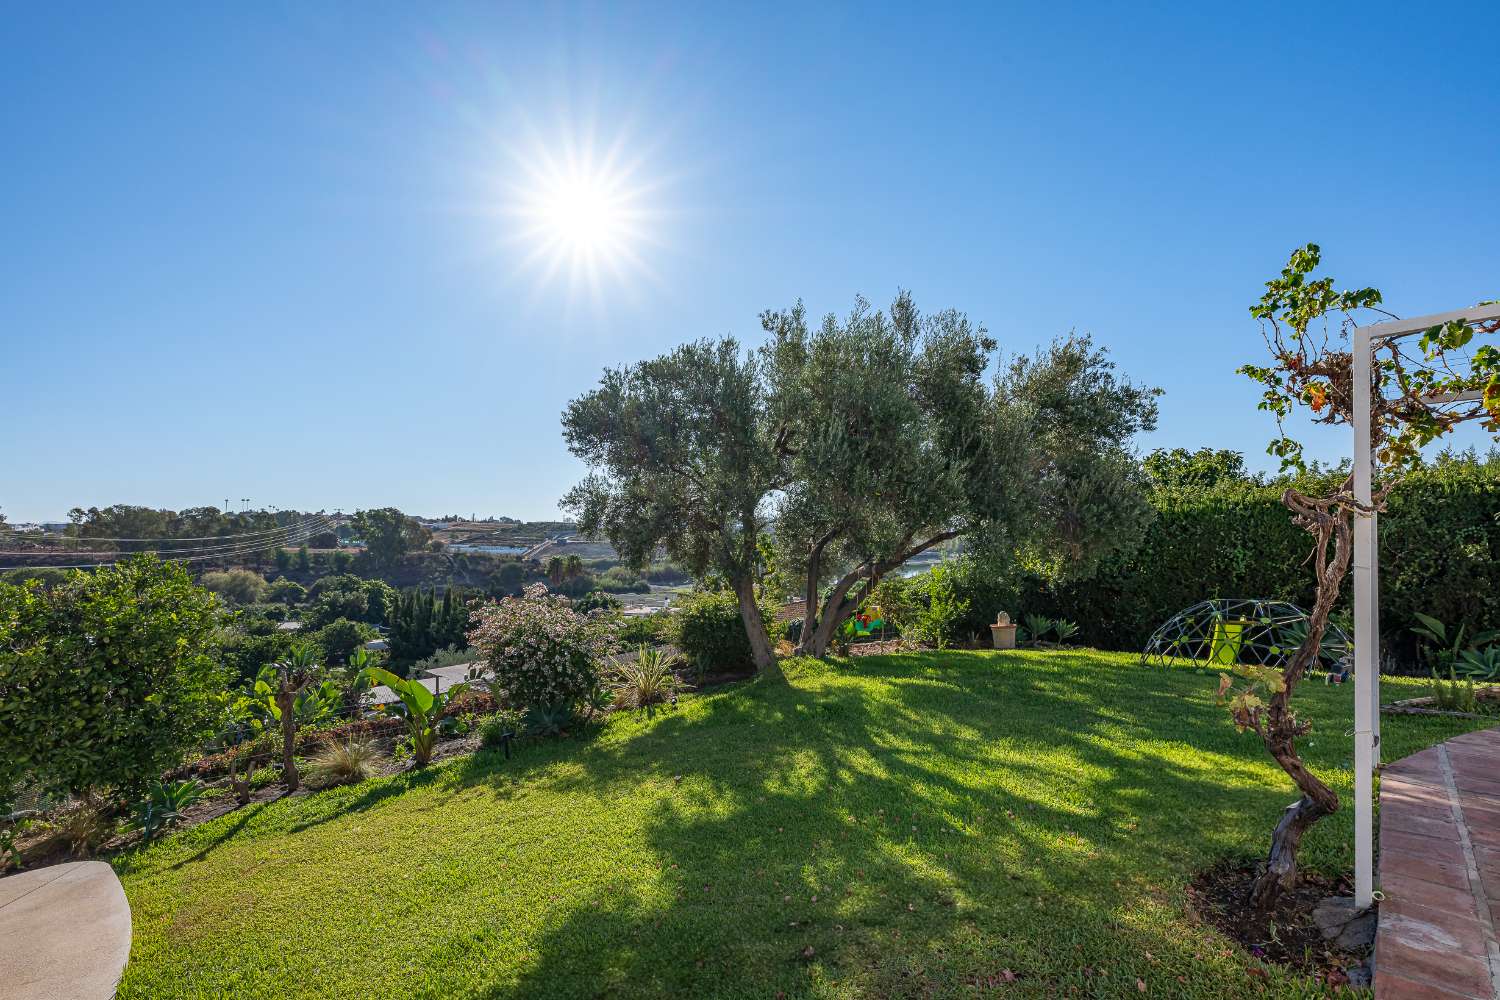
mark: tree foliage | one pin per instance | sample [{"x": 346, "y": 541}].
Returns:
[
  {"x": 389, "y": 534},
  {"x": 865, "y": 441},
  {"x": 237, "y": 586}
]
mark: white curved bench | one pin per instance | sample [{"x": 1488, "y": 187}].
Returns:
[{"x": 64, "y": 933}]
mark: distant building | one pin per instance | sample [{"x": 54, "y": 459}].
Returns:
[{"x": 288, "y": 626}]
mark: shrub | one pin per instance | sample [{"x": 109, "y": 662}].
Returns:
[
  {"x": 45, "y": 576},
  {"x": 285, "y": 591},
  {"x": 539, "y": 650},
  {"x": 596, "y": 600},
  {"x": 345, "y": 762},
  {"x": 237, "y": 586},
  {"x": 108, "y": 680},
  {"x": 633, "y": 630},
  {"x": 936, "y": 610},
  {"x": 709, "y": 631},
  {"x": 1234, "y": 539},
  {"x": 494, "y": 730},
  {"x": 620, "y": 580}
]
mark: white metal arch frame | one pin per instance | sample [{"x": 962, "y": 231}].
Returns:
[{"x": 1366, "y": 339}]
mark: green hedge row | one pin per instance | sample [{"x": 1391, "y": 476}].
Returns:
[{"x": 1439, "y": 541}]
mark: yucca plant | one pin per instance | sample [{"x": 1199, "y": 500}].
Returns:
[
  {"x": 289, "y": 691},
  {"x": 345, "y": 762},
  {"x": 1064, "y": 629},
  {"x": 646, "y": 681}
]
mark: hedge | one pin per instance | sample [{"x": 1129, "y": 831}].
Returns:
[{"x": 1438, "y": 544}]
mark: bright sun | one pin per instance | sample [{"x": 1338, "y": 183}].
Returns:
[{"x": 582, "y": 214}]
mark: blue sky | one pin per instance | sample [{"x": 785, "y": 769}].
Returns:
[{"x": 273, "y": 251}]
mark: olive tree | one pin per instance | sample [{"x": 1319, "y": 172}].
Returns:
[
  {"x": 897, "y": 445},
  {"x": 108, "y": 679},
  {"x": 683, "y": 453},
  {"x": 1416, "y": 399}
]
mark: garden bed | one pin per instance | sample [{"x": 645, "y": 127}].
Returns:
[
  {"x": 1488, "y": 697},
  {"x": 1291, "y": 938}
]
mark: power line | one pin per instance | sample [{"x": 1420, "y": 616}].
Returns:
[
  {"x": 202, "y": 553},
  {"x": 200, "y": 538},
  {"x": 298, "y": 533}
]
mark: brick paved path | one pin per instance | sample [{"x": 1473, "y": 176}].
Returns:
[{"x": 1440, "y": 873}]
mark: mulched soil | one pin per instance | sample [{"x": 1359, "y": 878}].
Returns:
[
  {"x": 43, "y": 846},
  {"x": 1292, "y": 939},
  {"x": 881, "y": 647}
]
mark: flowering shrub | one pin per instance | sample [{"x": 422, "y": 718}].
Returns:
[{"x": 540, "y": 650}]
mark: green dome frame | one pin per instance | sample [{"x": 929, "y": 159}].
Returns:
[{"x": 1253, "y": 631}]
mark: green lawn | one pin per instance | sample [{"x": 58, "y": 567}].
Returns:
[{"x": 917, "y": 825}]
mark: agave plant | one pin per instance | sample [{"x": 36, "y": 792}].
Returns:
[
  {"x": 550, "y": 719},
  {"x": 164, "y": 805},
  {"x": 1481, "y": 665},
  {"x": 646, "y": 681}
]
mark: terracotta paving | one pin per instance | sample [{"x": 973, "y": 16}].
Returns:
[{"x": 1440, "y": 873}]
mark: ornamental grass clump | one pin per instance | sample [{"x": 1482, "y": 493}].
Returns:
[
  {"x": 345, "y": 762},
  {"x": 539, "y": 650}
]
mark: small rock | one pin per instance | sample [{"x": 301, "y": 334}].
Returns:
[
  {"x": 1361, "y": 975},
  {"x": 1358, "y": 933},
  {"x": 1335, "y": 913}
]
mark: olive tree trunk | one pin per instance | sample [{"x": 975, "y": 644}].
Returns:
[
  {"x": 810, "y": 592},
  {"x": 755, "y": 625},
  {"x": 844, "y": 600}
]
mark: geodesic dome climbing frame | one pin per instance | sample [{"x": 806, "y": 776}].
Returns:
[{"x": 1245, "y": 630}]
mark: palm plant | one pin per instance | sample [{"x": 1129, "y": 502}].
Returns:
[
  {"x": 1064, "y": 629},
  {"x": 1037, "y": 626},
  {"x": 293, "y": 678},
  {"x": 646, "y": 681},
  {"x": 421, "y": 708}
]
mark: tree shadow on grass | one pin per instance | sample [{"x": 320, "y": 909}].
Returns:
[{"x": 898, "y": 838}]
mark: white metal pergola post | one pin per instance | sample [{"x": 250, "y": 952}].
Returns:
[{"x": 1367, "y": 580}]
